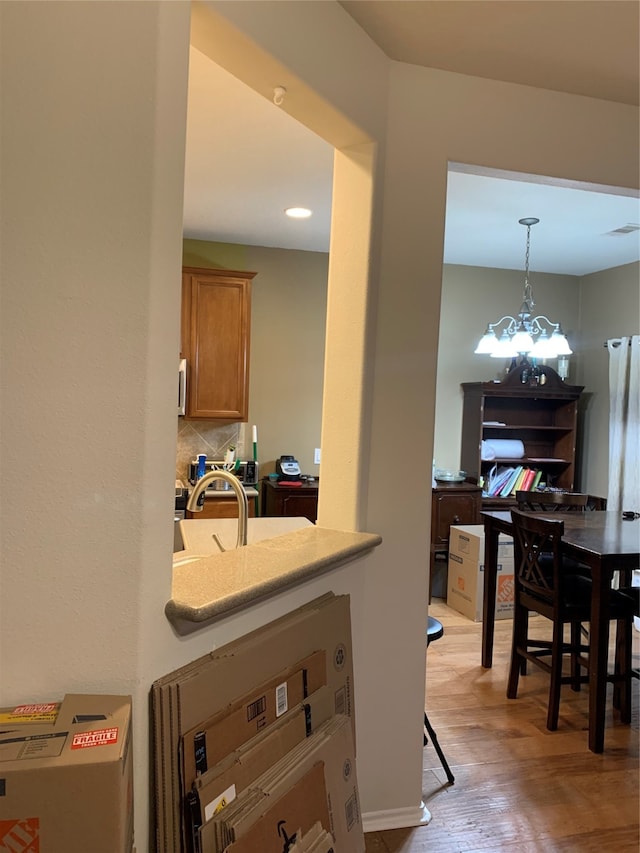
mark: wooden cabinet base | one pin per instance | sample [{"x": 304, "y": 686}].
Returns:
[
  {"x": 451, "y": 503},
  {"x": 290, "y": 501}
]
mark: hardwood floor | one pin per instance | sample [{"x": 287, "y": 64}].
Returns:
[{"x": 518, "y": 786}]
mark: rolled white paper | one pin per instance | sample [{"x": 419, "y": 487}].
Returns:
[
  {"x": 487, "y": 452},
  {"x": 502, "y": 448},
  {"x": 255, "y": 434}
]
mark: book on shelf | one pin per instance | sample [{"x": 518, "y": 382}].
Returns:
[
  {"x": 536, "y": 480},
  {"x": 528, "y": 480},
  {"x": 520, "y": 480},
  {"x": 496, "y": 480},
  {"x": 508, "y": 487}
]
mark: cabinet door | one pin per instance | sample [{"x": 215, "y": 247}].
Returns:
[
  {"x": 451, "y": 509},
  {"x": 300, "y": 506},
  {"x": 216, "y": 326}
]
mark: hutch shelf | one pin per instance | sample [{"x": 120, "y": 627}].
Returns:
[{"x": 538, "y": 409}]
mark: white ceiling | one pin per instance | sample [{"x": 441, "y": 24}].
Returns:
[{"x": 247, "y": 160}]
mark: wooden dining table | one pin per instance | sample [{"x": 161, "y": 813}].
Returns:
[{"x": 605, "y": 543}]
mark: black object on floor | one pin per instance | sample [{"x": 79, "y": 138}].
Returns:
[{"x": 435, "y": 630}]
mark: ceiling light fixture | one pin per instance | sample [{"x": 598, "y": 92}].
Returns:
[
  {"x": 518, "y": 336},
  {"x": 298, "y": 212}
]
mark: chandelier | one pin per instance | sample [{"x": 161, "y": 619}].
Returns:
[{"x": 524, "y": 334}]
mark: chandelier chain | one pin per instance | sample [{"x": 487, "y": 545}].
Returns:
[{"x": 528, "y": 295}]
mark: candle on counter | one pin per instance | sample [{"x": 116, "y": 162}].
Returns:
[{"x": 255, "y": 434}]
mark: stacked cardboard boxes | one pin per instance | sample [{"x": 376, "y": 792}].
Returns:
[
  {"x": 254, "y": 743},
  {"x": 66, "y": 776},
  {"x": 465, "y": 587}
]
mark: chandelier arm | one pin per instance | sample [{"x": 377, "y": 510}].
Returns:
[
  {"x": 512, "y": 323},
  {"x": 536, "y": 328}
]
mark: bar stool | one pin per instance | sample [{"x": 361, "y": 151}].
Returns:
[{"x": 435, "y": 630}]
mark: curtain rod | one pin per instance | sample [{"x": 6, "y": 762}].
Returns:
[{"x": 616, "y": 342}]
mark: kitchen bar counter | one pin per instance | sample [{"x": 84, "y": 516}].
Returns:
[{"x": 212, "y": 586}]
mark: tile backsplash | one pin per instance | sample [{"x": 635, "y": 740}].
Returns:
[{"x": 210, "y": 437}]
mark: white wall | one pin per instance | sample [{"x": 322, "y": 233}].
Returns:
[{"x": 95, "y": 146}]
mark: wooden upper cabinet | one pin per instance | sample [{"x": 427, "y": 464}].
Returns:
[{"x": 215, "y": 341}]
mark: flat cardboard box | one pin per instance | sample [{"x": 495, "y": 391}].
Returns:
[
  {"x": 332, "y": 745},
  {"x": 301, "y": 808},
  {"x": 223, "y": 782},
  {"x": 208, "y": 743},
  {"x": 66, "y": 776},
  {"x": 185, "y": 697},
  {"x": 230, "y": 672},
  {"x": 465, "y": 588},
  {"x": 317, "y": 840}
]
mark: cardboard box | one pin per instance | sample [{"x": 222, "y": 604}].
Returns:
[
  {"x": 465, "y": 585},
  {"x": 66, "y": 776},
  {"x": 183, "y": 699},
  {"x": 207, "y": 744},
  {"x": 301, "y": 808},
  {"x": 330, "y": 747},
  {"x": 467, "y": 541},
  {"x": 223, "y": 782}
]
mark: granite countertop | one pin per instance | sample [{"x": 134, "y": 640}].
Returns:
[{"x": 280, "y": 553}]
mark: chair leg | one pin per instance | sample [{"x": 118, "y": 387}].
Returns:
[
  {"x": 523, "y": 661},
  {"x": 519, "y": 640},
  {"x": 576, "y": 636},
  {"x": 436, "y": 746},
  {"x": 556, "y": 675},
  {"x": 622, "y": 669}
]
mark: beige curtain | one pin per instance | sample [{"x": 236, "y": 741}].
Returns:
[{"x": 624, "y": 423}]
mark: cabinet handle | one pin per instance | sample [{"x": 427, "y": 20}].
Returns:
[{"x": 456, "y": 519}]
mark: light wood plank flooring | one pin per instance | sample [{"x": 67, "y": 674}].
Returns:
[{"x": 518, "y": 786}]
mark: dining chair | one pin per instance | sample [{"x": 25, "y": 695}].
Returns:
[
  {"x": 563, "y": 597},
  {"x": 624, "y": 638},
  {"x": 552, "y": 501},
  {"x": 595, "y": 502}
]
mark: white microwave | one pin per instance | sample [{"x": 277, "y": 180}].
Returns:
[{"x": 182, "y": 386}]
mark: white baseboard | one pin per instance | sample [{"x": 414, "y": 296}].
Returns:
[{"x": 395, "y": 818}]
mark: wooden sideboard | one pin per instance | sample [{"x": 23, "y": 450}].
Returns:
[
  {"x": 451, "y": 503},
  {"x": 298, "y": 501}
]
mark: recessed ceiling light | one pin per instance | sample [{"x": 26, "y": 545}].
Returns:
[{"x": 298, "y": 212}]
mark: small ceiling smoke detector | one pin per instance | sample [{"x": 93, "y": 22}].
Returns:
[
  {"x": 298, "y": 212},
  {"x": 629, "y": 228}
]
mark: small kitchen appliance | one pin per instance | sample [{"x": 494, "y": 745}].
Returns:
[
  {"x": 287, "y": 469},
  {"x": 246, "y": 472}
]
